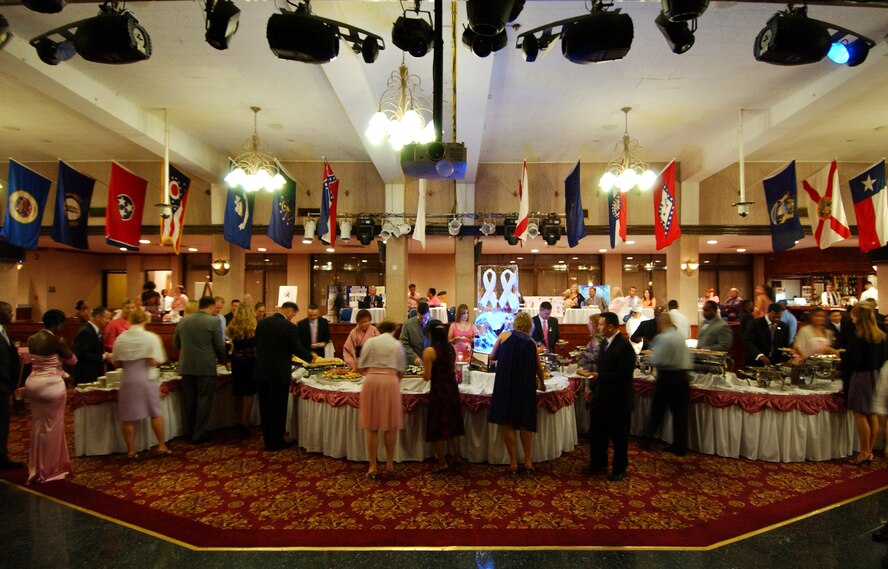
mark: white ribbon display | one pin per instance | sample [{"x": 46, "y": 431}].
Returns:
[
  {"x": 489, "y": 298},
  {"x": 509, "y": 297}
]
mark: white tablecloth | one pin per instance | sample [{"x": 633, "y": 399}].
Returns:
[
  {"x": 376, "y": 315},
  {"x": 438, "y": 313},
  {"x": 578, "y": 315}
]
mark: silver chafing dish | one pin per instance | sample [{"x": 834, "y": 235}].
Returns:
[
  {"x": 711, "y": 361},
  {"x": 764, "y": 377}
]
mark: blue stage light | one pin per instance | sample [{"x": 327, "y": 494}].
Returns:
[{"x": 838, "y": 53}]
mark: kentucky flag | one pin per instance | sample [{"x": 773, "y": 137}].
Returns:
[
  {"x": 781, "y": 194},
  {"x": 573, "y": 207},
  {"x": 871, "y": 206},
  {"x": 126, "y": 201},
  {"x": 616, "y": 213},
  {"x": 327, "y": 223},
  {"x": 171, "y": 227},
  {"x": 666, "y": 228},
  {"x": 27, "y": 195},
  {"x": 283, "y": 208},
  {"x": 73, "y": 194},
  {"x": 238, "y": 227}
]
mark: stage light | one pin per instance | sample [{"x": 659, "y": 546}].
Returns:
[
  {"x": 684, "y": 10},
  {"x": 488, "y": 228},
  {"x": 849, "y": 50},
  {"x": 388, "y": 230},
  {"x": 5, "y": 34},
  {"x": 454, "y": 226},
  {"x": 221, "y": 22},
  {"x": 533, "y": 230},
  {"x": 413, "y": 35},
  {"x": 791, "y": 38},
  {"x": 52, "y": 53},
  {"x": 364, "y": 229},
  {"x": 309, "y": 227},
  {"x": 45, "y": 6},
  {"x": 550, "y": 229},
  {"x": 600, "y": 36},
  {"x": 509, "y": 226},
  {"x": 482, "y": 46},
  {"x": 489, "y": 17},
  {"x": 530, "y": 49},
  {"x": 678, "y": 34},
  {"x": 345, "y": 230}
]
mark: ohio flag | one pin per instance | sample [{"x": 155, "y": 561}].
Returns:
[
  {"x": 871, "y": 206},
  {"x": 327, "y": 223},
  {"x": 825, "y": 209},
  {"x": 666, "y": 228},
  {"x": 171, "y": 226}
]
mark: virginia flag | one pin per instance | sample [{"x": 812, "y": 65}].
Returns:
[
  {"x": 123, "y": 216},
  {"x": 573, "y": 207},
  {"x": 616, "y": 208},
  {"x": 825, "y": 209},
  {"x": 327, "y": 223},
  {"x": 237, "y": 227},
  {"x": 666, "y": 228},
  {"x": 171, "y": 228},
  {"x": 73, "y": 194},
  {"x": 27, "y": 195},
  {"x": 523, "y": 206},
  {"x": 871, "y": 206},
  {"x": 419, "y": 227},
  {"x": 283, "y": 210},
  {"x": 781, "y": 195}
]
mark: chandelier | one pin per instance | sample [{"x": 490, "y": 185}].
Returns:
[
  {"x": 254, "y": 170},
  {"x": 627, "y": 170},
  {"x": 401, "y": 115}
]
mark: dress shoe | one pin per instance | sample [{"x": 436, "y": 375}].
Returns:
[
  {"x": 881, "y": 534},
  {"x": 617, "y": 476},
  {"x": 589, "y": 471},
  {"x": 6, "y": 464}
]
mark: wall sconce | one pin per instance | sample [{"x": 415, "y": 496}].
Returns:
[
  {"x": 19, "y": 265},
  {"x": 220, "y": 266},
  {"x": 689, "y": 267}
]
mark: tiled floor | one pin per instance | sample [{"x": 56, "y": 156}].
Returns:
[{"x": 39, "y": 533}]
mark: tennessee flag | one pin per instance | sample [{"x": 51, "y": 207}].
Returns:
[
  {"x": 126, "y": 200},
  {"x": 666, "y": 228},
  {"x": 523, "y": 207},
  {"x": 871, "y": 206},
  {"x": 616, "y": 213},
  {"x": 825, "y": 210},
  {"x": 327, "y": 223}
]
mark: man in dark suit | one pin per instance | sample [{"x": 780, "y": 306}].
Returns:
[
  {"x": 198, "y": 337},
  {"x": 765, "y": 336},
  {"x": 612, "y": 399},
  {"x": 314, "y": 331},
  {"x": 277, "y": 341},
  {"x": 545, "y": 328},
  {"x": 372, "y": 300},
  {"x": 647, "y": 330},
  {"x": 88, "y": 347},
  {"x": 9, "y": 375},
  {"x": 840, "y": 327},
  {"x": 229, "y": 316},
  {"x": 412, "y": 337}
]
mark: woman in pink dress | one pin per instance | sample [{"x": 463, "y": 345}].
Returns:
[
  {"x": 45, "y": 388},
  {"x": 462, "y": 334},
  {"x": 359, "y": 336}
]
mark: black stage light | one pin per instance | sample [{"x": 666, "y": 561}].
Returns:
[
  {"x": 364, "y": 229},
  {"x": 550, "y": 229},
  {"x": 678, "y": 34},
  {"x": 413, "y": 35},
  {"x": 299, "y": 36},
  {"x": 684, "y": 10},
  {"x": 223, "y": 18},
  {"x": 45, "y": 6},
  {"x": 600, "y": 36},
  {"x": 509, "y": 226},
  {"x": 489, "y": 17},
  {"x": 114, "y": 36},
  {"x": 369, "y": 51},
  {"x": 53, "y": 53},
  {"x": 791, "y": 38},
  {"x": 530, "y": 48},
  {"x": 517, "y": 6},
  {"x": 5, "y": 34},
  {"x": 482, "y": 46}
]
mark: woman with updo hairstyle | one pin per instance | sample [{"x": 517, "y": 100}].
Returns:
[
  {"x": 191, "y": 307},
  {"x": 444, "y": 422},
  {"x": 865, "y": 353},
  {"x": 45, "y": 388}
]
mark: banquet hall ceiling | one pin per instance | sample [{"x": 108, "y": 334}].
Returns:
[{"x": 684, "y": 106}]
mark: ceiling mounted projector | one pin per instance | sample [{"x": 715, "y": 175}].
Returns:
[
  {"x": 489, "y": 17},
  {"x": 223, "y": 18},
  {"x": 684, "y": 10},
  {"x": 435, "y": 160},
  {"x": 45, "y": 6}
]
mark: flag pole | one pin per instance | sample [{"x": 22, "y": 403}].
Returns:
[
  {"x": 164, "y": 205},
  {"x": 742, "y": 205}
]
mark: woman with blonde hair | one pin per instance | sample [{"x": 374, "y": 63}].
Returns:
[
  {"x": 242, "y": 333},
  {"x": 862, "y": 360},
  {"x": 618, "y": 301},
  {"x": 138, "y": 351},
  {"x": 462, "y": 334},
  {"x": 191, "y": 307}
]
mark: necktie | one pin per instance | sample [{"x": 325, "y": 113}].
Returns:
[
  {"x": 773, "y": 331},
  {"x": 5, "y": 337},
  {"x": 545, "y": 326},
  {"x": 603, "y": 346}
]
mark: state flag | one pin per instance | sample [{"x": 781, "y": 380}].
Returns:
[
  {"x": 73, "y": 195},
  {"x": 126, "y": 201},
  {"x": 573, "y": 207},
  {"x": 26, "y": 198},
  {"x": 523, "y": 206},
  {"x": 327, "y": 222},
  {"x": 825, "y": 210},
  {"x": 171, "y": 228},
  {"x": 666, "y": 226},
  {"x": 781, "y": 195},
  {"x": 283, "y": 211},
  {"x": 871, "y": 206},
  {"x": 237, "y": 227},
  {"x": 616, "y": 208}
]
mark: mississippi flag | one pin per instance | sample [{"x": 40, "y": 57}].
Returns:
[
  {"x": 327, "y": 223},
  {"x": 126, "y": 200},
  {"x": 830, "y": 225},
  {"x": 666, "y": 227},
  {"x": 871, "y": 206},
  {"x": 523, "y": 207},
  {"x": 171, "y": 227},
  {"x": 617, "y": 216}
]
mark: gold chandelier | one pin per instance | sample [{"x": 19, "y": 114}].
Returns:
[
  {"x": 402, "y": 113},
  {"x": 253, "y": 170},
  {"x": 627, "y": 170}
]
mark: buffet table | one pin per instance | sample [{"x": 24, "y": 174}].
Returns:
[
  {"x": 439, "y": 313},
  {"x": 578, "y": 315},
  {"x": 376, "y": 315},
  {"x": 327, "y": 420},
  {"x": 729, "y": 418}
]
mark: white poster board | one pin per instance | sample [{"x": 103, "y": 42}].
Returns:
[{"x": 287, "y": 293}]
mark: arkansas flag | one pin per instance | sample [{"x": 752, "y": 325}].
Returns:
[
  {"x": 523, "y": 207},
  {"x": 616, "y": 213},
  {"x": 126, "y": 200},
  {"x": 871, "y": 206},
  {"x": 171, "y": 227},
  {"x": 666, "y": 227},
  {"x": 327, "y": 223},
  {"x": 825, "y": 210}
]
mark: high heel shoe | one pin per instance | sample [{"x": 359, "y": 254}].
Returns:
[{"x": 856, "y": 461}]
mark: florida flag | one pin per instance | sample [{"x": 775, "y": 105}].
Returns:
[
  {"x": 825, "y": 210},
  {"x": 666, "y": 228},
  {"x": 616, "y": 213},
  {"x": 871, "y": 206},
  {"x": 523, "y": 207},
  {"x": 171, "y": 226},
  {"x": 327, "y": 223}
]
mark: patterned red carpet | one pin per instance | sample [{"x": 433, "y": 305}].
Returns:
[{"x": 233, "y": 494}]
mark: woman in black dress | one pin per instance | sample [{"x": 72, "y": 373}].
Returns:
[
  {"x": 444, "y": 423},
  {"x": 242, "y": 333},
  {"x": 518, "y": 377}
]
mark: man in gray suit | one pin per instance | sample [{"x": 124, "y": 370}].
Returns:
[
  {"x": 412, "y": 337},
  {"x": 198, "y": 338},
  {"x": 714, "y": 333}
]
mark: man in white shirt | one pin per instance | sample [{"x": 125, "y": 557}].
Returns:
[
  {"x": 633, "y": 300},
  {"x": 830, "y": 297},
  {"x": 869, "y": 293},
  {"x": 680, "y": 320}
]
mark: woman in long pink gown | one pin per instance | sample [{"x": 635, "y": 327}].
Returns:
[{"x": 45, "y": 388}]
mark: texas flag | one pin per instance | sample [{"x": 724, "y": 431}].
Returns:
[
  {"x": 666, "y": 228},
  {"x": 871, "y": 206},
  {"x": 825, "y": 209},
  {"x": 327, "y": 222},
  {"x": 617, "y": 216},
  {"x": 523, "y": 207}
]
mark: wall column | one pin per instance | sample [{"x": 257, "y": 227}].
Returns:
[
  {"x": 396, "y": 259},
  {"x": 680, "y": 286},
  {"x": 464, "y": 254},
  {"x": 9, "y": 280},
  {"x": 612, "y": 270},
  {"x": 230, "y": 285}
]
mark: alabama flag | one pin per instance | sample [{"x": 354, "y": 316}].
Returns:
[
  {"x": 871, "y": 206},
  {"x": 616, "y": 213},
  {"x": 523, "y": 207},
  {"x": 327, "y": 223},
  {"x": 171, "y": 226},
  {"x": 666, "y": 228},
  {"x": 825, "y": 210},
  {"x": 126, "y": 200}
]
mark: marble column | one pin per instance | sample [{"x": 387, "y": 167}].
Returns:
[
  {"x": 396, "y": 259},
  {"x": 464, "y": 254}
]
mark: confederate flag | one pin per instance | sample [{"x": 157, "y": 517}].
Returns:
[{"x": 825, "y": 211}]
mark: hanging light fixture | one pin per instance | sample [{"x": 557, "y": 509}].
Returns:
[
  {"x": 254, "y": 170},
  {"x": 627, "y": 170},
  {"x": 402, "y": 115}
]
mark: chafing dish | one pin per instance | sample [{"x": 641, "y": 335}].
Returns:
[
  {"x": 765, "y": 377},
  {"x": 711, "y": 361}
]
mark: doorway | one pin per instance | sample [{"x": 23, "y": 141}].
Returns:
[{"x": 113, "y": 288}]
